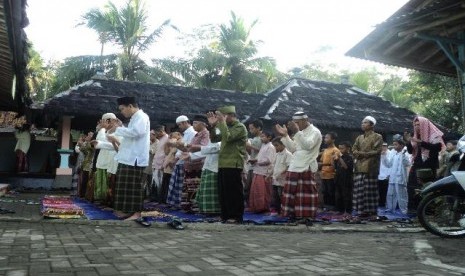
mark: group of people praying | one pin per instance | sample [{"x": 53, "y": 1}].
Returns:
[{"x": 214, "y": 165}]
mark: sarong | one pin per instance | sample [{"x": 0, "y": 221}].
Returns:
[
  {"x": 260, "y": 194},
  {"x": 101, "y": 184},
  {"x": 300, "y": 195},
  {"x": 365, "y": 194},
  {"x": 129, "y": 192},
  {"x": 207, "y": 194},
  {"x": 189, "y": 190},
  {"x": 21, "y": 161},
  {"x": 176, "y": 184}
]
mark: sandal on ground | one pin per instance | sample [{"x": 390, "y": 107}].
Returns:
[
  {"x": 355, "y": 221},
  {"x": 143, "y": 221},
  {"x": 176, "y": 224}
]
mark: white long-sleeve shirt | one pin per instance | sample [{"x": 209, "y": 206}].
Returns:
[
  {"x": 135, "y": 144},
  {"x": 383, "y": 170},
  {"x": 305, "y": 147},
  {"x": 397, "y": 162},
  {"x": 210, "y": 152}
]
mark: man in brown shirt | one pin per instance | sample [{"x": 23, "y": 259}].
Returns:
[{"x": 367, "y": 152}]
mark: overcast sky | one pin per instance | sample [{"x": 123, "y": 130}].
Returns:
[{"x": 294, "y": 32}]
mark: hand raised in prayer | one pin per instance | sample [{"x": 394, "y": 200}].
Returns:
[
  {"x": 112, "y": 130},
  {"x": 93, "y": 143},
  {"x": 212, "y": 119},
  {"x": 281, "y": 130},
  {"x": 112, "y": 139},
  {"x": 292, "y": 126},
  {"x": 220, "y": 116},
  {"x": 416, "y": 140}
]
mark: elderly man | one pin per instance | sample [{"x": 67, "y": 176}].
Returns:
[
  {"x": 367, "y": 153},
  {"x": 226, "y": 128},
  {"x": 300, "y": 194},
  {"x": 104, "y": 158},
  {"x": 177, "y": 178},
  {"x": 132, "y": 156}
]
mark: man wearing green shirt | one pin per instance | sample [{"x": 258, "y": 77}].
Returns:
[{"x": 226, "y": 128}]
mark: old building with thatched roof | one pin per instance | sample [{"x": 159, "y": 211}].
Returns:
[
  {"x": 163, "y": 103},
  {"x": 332, "y": 107}
]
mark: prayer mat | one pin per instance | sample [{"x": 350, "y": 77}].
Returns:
[{"x": 60, "y": 207}]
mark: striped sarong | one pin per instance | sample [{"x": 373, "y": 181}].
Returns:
[
  {"x": 101, "y": 184},
  {"x": 175, "y": 187},
  {"x": 207, "y": 194},
  {"x": 190, "y": 186},
  {"x": 300, "y": 195},
  {"x": 129, "y": 190},
  {"x": 365, "y": 194}
]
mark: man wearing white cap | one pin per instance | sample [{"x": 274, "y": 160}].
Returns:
[
  {"x": 367, "y": 152},
  {"x": 105, "y": 157},
  {"x": 177, "y": 177},
  {"x": 300, "y": 194}
]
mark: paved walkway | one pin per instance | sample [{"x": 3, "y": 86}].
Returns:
[{"x": 30, "y": 245}]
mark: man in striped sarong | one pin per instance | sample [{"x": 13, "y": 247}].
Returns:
[
  {"x": 176, "y": 185},
  {"x": 367, "y": 152},
  {"x": 300, "y": 194},
  {"x": 132, "y": 156}
]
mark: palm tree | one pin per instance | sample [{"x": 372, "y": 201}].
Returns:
[
  {"x": 227, "y": 60},
  {"x": 126, "y": 27},
  {"x": 39, "y": 77}
]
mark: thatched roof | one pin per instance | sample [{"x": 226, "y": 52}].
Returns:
[
  {"x": 13, "y": 56},
  {"x": 163, "y": 103},
  {"x": 411, "y": 37},
  {"x": 332, "y": 105}
]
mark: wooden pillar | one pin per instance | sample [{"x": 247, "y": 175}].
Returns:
[{"x": 64, "y": 172}]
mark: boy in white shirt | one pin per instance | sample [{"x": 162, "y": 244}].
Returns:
[
  {"x": 281, "y": 164},
  {"x": 398, "y": 162}
]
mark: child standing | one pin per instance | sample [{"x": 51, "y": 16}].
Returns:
[
  {"x": 168, "y": 164},
  {"x": 328, "y": 171},
  {"x": 344, "y": 165},
  {"x": 282, "y": 161},
  {"x": 260, "y": 190},
  {"x": 398, "y": 162}
]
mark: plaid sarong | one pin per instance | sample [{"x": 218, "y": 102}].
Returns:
[
  {"x": 101, "y": 184},
  {"x": 365, "y": 194},
  {"x": 207, "y": 194},
  {"x": 190, "y": 186},
  {"x": 129, "y": 191},
  {"x": 300, "y": 195},
  {"x": 176, "y": 184}
]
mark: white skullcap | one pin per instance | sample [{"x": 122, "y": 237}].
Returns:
[
  {"x": 371, "y": 119},
  {"x": 299, "y": 115},
  {"x": 182, "y": 118},
  {"x": 107, "y": 116}
]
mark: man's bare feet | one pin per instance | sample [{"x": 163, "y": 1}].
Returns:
[{"x": 135, "y": 216}]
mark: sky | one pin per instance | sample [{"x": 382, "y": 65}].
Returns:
[{"x": 294, "y": 32}]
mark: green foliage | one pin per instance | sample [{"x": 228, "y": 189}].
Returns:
[
  {"x": 226, "y": 59},
  {"x": 39, "y": 76},
  {"x": 127, "y": 28},
  {"x": 76, "y": 70}
]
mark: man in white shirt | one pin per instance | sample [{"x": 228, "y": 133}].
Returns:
[
  {"x": 300, "y": 194},
  {"x": 177, "y": 177},
  {"x": 133, "y": 157}
]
